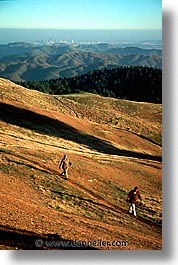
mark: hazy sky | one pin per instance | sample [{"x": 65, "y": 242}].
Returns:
[{"x": 81, "y": 14}]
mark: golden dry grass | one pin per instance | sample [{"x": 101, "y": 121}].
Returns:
[{"x": 108, "y": 157}]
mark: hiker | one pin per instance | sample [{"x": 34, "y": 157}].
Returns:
[
  {"x": 132, "y": 198},
  {"x": 64, "y": 164}
]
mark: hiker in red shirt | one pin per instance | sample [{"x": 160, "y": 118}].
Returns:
[{"x": 132, "y": 198}]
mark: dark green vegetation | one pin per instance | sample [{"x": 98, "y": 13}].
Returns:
[{"x": 133, "y": 83}]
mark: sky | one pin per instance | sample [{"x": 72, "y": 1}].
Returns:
[{"x": 81, "y": 14}]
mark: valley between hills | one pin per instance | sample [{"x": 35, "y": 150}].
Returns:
[{"x": 113, "y": 145}]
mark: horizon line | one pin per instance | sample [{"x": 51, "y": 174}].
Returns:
[{"x": 16, "y": 28}]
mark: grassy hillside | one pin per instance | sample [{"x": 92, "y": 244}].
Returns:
[{"x": 112, "y": 146}]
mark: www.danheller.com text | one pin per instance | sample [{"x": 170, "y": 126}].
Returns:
[{"x": 79, "y": 243}]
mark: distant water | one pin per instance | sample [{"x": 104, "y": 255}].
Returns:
[{"x": 43, "y": 35}]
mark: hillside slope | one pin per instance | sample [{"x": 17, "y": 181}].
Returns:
[{"x": 109, "y": 157}]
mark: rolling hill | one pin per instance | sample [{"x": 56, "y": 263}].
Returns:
[
  {"x": 23, "y": 61},
  {"x": 112, "y": 146}
]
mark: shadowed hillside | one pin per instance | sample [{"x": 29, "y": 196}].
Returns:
[{"x": 113, "y": 144}]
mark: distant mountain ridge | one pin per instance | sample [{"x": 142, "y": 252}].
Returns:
[{"x": 23, "y": 61}]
